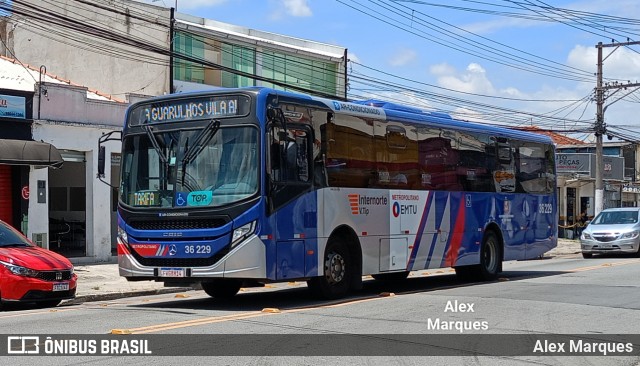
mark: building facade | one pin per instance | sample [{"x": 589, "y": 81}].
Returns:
[
  {"x": 576, "y": 179},
  {"x": 128, "y": 50},
  {"x": 52, "y": 192},
  {"x": 132, "y": 47},
  {"x": 19, "y": 154}
]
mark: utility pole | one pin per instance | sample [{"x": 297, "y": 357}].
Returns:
[
  {"x": 172, "y": 34},
  {"x": 600, "y": 128}
]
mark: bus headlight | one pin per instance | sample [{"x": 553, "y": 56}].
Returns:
[
  {"x": 242, "y": 232},
  {"x": 122, "y": 236}
]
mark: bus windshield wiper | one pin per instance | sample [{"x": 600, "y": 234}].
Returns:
[
  {"x": 155, "y": 144},
  {"x": 199, "y": 143}
]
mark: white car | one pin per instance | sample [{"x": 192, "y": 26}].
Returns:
[{"x": 614, "y": 230}]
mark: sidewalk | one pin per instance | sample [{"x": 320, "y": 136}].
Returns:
[{"x": 102, "y": 282}]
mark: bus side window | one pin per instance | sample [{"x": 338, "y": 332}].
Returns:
[
  {"x": 298, "y": 156},
  {"x": 289, "y": 156}
]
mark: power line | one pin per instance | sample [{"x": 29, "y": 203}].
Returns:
[{"x": 495, "y": 55}]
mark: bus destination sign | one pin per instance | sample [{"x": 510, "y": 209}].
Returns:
[{"x": 190, "y": 109}]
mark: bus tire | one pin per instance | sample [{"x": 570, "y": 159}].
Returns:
[
  {"x": 490, "y": 258},
  {"x": 222, "y": 289},
  {"x": 391, "y": 277},
  {"x": 334, "y": 283}
]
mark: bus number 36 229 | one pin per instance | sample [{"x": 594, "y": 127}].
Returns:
[
  {"x": 545, "y": 208},
  {"x": 197, "y": 249}
]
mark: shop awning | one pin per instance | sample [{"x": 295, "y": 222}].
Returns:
[{"x": 26, "y": 152}]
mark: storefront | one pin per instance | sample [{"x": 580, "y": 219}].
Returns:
[
  {"x": 576, "y": 188},
  {"x": 18, "y": 155}
]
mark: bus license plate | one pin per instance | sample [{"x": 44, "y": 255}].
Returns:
[
  {"x": 60, "y": 287},
  {"x": 172, "y": 272}
]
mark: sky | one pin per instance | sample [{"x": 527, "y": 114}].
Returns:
[{"x": 522, "y": 55}]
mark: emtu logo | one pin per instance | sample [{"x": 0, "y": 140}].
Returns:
[
  {"x": 395, "y": 209},
  {"x": 353, "y": 202}
]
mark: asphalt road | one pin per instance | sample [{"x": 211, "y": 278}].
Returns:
[{"x": 563, "y": 295}]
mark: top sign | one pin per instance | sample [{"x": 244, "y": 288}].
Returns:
[{"x": 189, "y": 109}]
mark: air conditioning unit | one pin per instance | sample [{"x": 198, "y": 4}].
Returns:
[{"x": 40, "y": 239}]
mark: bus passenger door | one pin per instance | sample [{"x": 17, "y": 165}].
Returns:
[{"x": 291, "y": 204}]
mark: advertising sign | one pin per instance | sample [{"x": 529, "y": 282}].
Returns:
[
  {"x": 613, "y": 166},
  {"x": 12, "y": 106}
]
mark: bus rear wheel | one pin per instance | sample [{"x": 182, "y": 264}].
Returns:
[
  {"x": 222, "y": 289},
  {"x": 490, "y": 258},
  {"x": 334, "y": 283}
]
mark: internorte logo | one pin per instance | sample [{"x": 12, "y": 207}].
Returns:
[{"x": 360, "y": 203}]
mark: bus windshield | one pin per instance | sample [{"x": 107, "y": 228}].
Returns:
[{"x": 211, "y": 167}]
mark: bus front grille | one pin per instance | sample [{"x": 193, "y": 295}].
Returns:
[{"x": 178, "y": 224}]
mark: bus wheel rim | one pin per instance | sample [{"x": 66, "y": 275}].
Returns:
[{"x": 335, "y": 270}]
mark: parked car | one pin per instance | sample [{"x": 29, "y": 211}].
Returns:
[
  {"x": 32, "y": 274},
  {"x": 614, "y": 230}
]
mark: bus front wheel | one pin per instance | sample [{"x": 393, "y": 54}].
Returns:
[
  {"x": 222, "y": 289},
  {"x": 334, "y": 283}
]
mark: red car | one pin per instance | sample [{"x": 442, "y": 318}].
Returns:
[{"x": 32, "y": 274}]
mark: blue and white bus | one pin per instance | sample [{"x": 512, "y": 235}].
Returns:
[{"x": 241, "y": 187}]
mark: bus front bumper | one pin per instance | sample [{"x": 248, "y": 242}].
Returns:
[{"x": 246, "y": 260}]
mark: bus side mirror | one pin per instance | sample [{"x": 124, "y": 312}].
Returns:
[
  {"x": 101, "y": 160},
  {"x": 271, "y": 114}
]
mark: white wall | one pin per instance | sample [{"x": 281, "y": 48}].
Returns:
[
  {"x": 38, "y": 212},
  {"x": 107, "y": 66},
  {"x": 71, "y": 104},
  {"x": 98, "y": 195}
]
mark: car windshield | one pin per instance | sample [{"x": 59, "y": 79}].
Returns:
[
  {"x": 11, "y": 238},
  {"x": 213, "y": 166},
  {"x": 616, "y": 218}
]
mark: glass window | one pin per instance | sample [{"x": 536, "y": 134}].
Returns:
[
  {"x": 438, "y": 158},
  {"x": 196, "y": 167},
  {"x": 616, "y": 218},
  {"x": 237, "y": 58},
  {"x": 298, "y": 71},
  {"x": 289, "y": 154},
  {"x": 192, "y": 46},
  {"x": 534, "y": 175}
]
